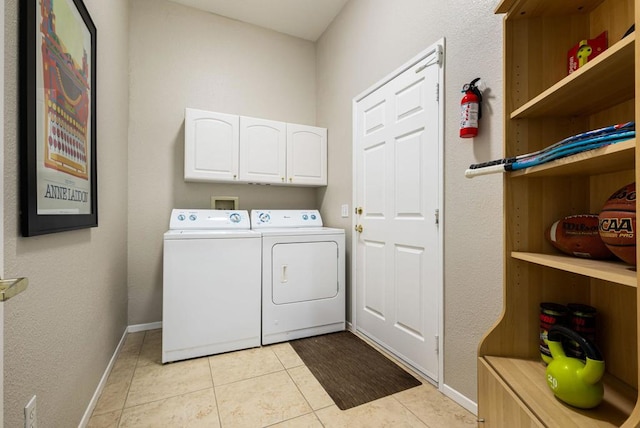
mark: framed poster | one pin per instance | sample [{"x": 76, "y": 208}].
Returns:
[{"x": 57, "y": 138}]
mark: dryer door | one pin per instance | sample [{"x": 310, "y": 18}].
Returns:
[{"x": 303, "y": 271}]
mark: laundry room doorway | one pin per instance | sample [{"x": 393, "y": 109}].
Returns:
[{"x": 398, "y": 245}]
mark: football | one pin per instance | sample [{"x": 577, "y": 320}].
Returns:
[
  {"x": 618, "y": 223},
  {"x": 577, "y": 235}
]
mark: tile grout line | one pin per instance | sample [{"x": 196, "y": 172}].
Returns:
[
  {"x": 215, "y": 396},
  {"x": 133, "y": 372},
  {"x": 300, "y": 391},
  {"x": 410, "y": 411}
]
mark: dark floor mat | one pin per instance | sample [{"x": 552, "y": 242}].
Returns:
[{"x": 351, "y": 371}]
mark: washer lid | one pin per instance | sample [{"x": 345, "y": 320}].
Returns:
[
  {"x": 263, "y": 219},
  {"x": 189, "y": 219}
]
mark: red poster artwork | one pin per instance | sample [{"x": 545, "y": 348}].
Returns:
[{"x": 66, "y": 101}]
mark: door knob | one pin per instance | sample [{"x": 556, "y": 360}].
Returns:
[
  {"x": 12, "y": 287},
  {"x": 359, "y": 228}
]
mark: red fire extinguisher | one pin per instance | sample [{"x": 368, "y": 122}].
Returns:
[{"x": 470, "y": 109}]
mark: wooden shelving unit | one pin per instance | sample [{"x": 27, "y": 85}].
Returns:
[{"x": 543, "y": 105}]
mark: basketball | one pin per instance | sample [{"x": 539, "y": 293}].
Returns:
[{"x": 617, "y": 223}]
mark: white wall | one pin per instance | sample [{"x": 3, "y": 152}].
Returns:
[
  {"x": 369, "y": 40},
  {"x": 61, "y": 332},
  {"x": 181, "y": 57}
]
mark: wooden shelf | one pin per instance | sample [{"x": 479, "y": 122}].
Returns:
[
  {"x": 531, "y": 8},
  {"x": 612, "y": 271},
  {"x": 614, "y": 157},
  {"x": 606, "y": 81},
  {"x": 527, "y": 379}
]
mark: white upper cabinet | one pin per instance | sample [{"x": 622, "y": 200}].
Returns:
[
  {"x": 211, "y": 146},
  {"x": 222, "y": 147},
  {"x": 306, "y": 155},
  {"x": 263, "y": 150}
]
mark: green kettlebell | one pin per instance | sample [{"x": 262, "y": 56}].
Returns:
[{"x": 575, "y": 382}]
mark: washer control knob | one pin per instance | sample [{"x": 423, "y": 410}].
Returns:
[
  {"x": 181, "y": 217},
  {"x": 193, "y": 217},
  {"x": 305, "y": 217},
  {"x": 313, "y": 216},
  {"x": 234, "y": 217}
]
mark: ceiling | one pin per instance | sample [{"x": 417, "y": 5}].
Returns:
[{"x": 306, "y": 19}]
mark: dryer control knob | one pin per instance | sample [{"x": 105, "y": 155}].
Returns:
[
  {"x": 264, "y": 217},
  {"x": 193, "y": 217},
  {"x": 234, "y": 217},
  {"x": 181, "y": 217}
]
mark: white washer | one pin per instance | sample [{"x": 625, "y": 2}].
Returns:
[
  {"x": 303, "y": 275},
  {"x": 211, "y": 284}
]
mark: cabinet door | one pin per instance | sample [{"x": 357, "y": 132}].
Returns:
[
  {"x": 306, "y": 155},
  {"x": 499, "y": 406},
  {"x": 211, "y": 146},
  {"x": 262, "y": 150}
]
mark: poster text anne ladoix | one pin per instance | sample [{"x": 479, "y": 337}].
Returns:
[{"x": 66, "y": 193}]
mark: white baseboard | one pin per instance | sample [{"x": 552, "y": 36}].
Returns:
[
  {"x": 144, "y": 327},
  {"x": 103, "y": 381},
  {"x": 96, "y": 395},
  {"x": 460, "y": 399}
]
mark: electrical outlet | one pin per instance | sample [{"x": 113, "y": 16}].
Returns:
[
  {"x": 345, "y": 210},
  {"x": 30, "y": 416}
]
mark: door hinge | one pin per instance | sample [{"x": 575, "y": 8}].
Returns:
[
  {"x": 437, "y": 216},
  {"x": 437, "y": 344},
  {"x": 437, "y": 92}
]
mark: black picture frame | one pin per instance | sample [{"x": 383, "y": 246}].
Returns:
[{"x": 57, "y": 117}]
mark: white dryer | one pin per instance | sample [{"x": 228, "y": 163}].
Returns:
[
  {"x": 211, "y": 284},
  {"x": 303, "y": 275}
]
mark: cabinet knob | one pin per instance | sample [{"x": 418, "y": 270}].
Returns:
[
  {"x": 234, "y": 176},
  {"x": 282, "y": 179},
  {"x": 290, "y": 179}
]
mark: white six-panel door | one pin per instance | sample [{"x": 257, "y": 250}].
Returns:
[{"x": 398, "y": 269}]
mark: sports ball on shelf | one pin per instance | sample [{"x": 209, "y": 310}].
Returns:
[
  {"x": 618, "y": 223},
  {"x": 577, "y": 235}
]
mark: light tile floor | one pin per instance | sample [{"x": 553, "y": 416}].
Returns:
[{"x": 260, "y": 387}]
